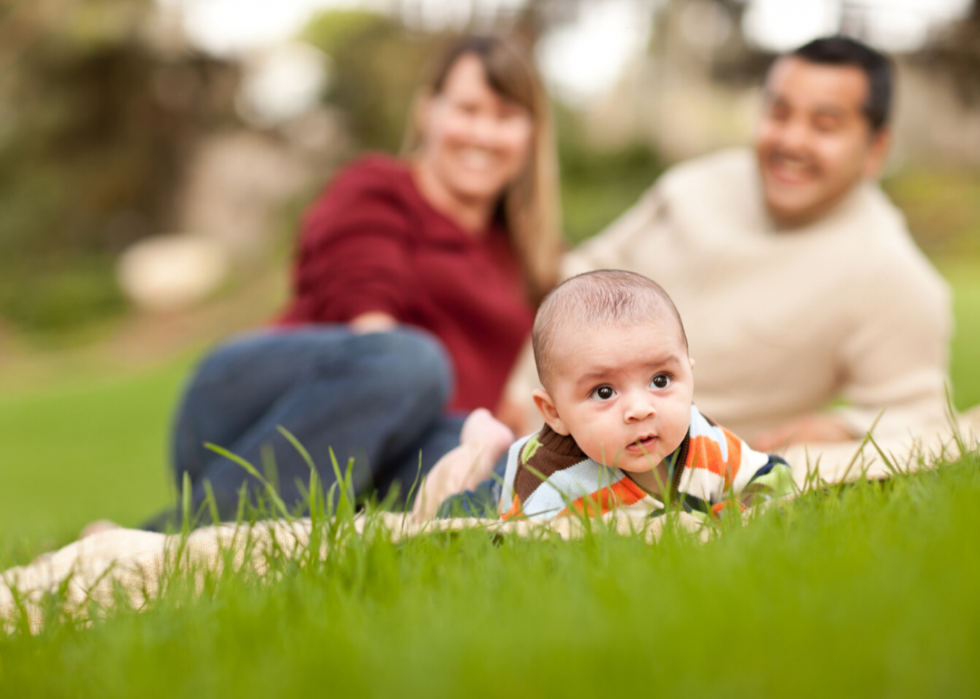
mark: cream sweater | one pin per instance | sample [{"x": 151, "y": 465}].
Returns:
[{"x": 782, "y": 323}]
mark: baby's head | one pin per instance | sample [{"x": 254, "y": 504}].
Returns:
[{"x": 612, "y": 356}]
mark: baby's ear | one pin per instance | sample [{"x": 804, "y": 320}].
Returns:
[
  {"x": 691, "y": 360},
  {"x": 546, "y": 406}
]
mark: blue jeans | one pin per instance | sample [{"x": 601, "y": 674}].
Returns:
[{"x": 378, "y": 399}]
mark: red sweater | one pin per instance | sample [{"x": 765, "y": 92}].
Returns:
[{"x": 372, "y": 243}]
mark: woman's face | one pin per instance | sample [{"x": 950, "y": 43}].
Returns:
[{"x": 475, "y": 141}]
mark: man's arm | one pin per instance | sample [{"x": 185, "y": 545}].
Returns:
[
  {"x": 893, "y": 361},
  {"x": 896, "y": 359}
]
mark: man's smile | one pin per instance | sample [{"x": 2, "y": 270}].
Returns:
[{"x": 791, "y": 169}]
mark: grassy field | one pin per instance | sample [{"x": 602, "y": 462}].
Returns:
[
  {"x": 964, "y": 277},
  {"x": 867, "y": 591},
  {"x": 83, "y": 450}
]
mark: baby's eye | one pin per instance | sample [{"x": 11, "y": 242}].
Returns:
[
  {"x": 661, "y": 381},
  {"x": 603, "y": 393}
]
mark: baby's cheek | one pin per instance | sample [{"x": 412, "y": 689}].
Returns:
[
  {"x": 602, "y": 453},
  {"x": 679, "y": 428},
  {"x": 602, "y": 450}
]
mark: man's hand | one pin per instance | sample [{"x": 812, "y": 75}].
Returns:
[{"x": 815, "y": 427}]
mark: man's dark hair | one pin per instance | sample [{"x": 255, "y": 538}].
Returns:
[{"x": 844, "y": 51}]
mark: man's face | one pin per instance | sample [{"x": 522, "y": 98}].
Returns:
[
  {"x": 623, "y": 392},
  {"x": 814, "y": 143}
]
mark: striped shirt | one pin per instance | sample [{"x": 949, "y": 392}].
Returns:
[{"x": 548, "y": 475}]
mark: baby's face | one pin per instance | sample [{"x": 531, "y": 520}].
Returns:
[{"x": 623, "y": 392}]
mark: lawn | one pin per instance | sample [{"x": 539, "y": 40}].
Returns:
[
  {"x": 964, "y": 276},
  {"x": 865, "y": 591},
  {"x": 81, "y": 450}
]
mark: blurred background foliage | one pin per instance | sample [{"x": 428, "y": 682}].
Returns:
[
  {"x": 598, "y": 184},
  {"x": 377, "y": 63},
  {"x": 102, "y": 110},
  {"x": 942, "y": 207},
  {"x": 96, "y": 124}
]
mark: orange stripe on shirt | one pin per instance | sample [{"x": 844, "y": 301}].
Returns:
[
  {"x": 704, "y": 452},
  {"x": 720, "y": 507},
  {"x": 514, "y": 511},
  {"x": 621, "y": 493}
]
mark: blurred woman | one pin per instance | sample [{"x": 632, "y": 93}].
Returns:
[{"x": 414, "y": 289}]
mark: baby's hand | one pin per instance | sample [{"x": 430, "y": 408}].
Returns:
[
  {"x": 483, "y": 440},
  {"x": 485, "y": 432}
]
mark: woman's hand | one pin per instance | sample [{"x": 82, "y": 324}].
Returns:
[{"x": 374, "y": 322}]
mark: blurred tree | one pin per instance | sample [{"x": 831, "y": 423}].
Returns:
[
  {"x": 956, "y": 52},
  {"x": 705, "y": 37},
  {"x": 377, "y": 66},
  {"x": 95, "y": 125},
  {"x": 539, "y": 16}
]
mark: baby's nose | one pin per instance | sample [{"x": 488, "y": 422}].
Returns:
[{"x": 639, "y": 408}]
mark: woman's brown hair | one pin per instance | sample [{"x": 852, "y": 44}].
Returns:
[{"x": 530, "y": 203}]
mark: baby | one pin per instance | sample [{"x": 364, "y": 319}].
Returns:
[{"x": 621, "y": 429}]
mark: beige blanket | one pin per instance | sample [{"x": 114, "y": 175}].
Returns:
[{"x": 98, "y": 571}]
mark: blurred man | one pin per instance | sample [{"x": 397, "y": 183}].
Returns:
[{"x": 809, "y": 309}]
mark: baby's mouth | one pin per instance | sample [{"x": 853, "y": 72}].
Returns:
[{"x": 643, "y": 445}]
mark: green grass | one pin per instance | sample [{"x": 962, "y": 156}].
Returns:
[
  {"x": 866, "y": 591},
  {"x": 964, "y": 277},
  {"x": 83, "y": 450}
]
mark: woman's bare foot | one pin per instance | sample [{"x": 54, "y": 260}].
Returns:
[{"x": 482, "y": 441}]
